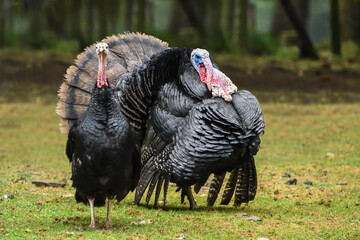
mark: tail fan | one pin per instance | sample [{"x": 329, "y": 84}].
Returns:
[
  {"x": 242, "y": 185},
  {"x": 230, "y": 187},
  {"x": 242, "y": 181},
  {"x": 215, "y": 187},
  {"x": 154, "y": 176},
  {"x": 126, "y": 52},
  {"x": 252, "y": 178}
]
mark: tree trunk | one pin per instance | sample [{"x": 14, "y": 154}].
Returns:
[
  {"x": 73, "y": 10},
  {"x": 90, "y": 24},
  {"x": 35, "y": 25},
  {"x": 281, "y": 23},
  {"x": 194, "y": 19},
  {"x": 2, "y": 23},
  {"x": 229, "y": 13},
  {"x": 214, "y": 35},
  {"x": 102, "y": 18},
  {"x": 335, "y": 27},
  {"x": 129, "y": 14},
  {"x": 351, "y": 20},
  {"x": 113, "y": 15},
  {"x": 140, "y": 16},
  {"x": 306, "y": 47},
  {"x": 242, "y": 34}
]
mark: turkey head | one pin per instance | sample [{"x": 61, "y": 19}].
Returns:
[
  {"x": 217, "y": 82},
  {"x": 102, "y": 50}
]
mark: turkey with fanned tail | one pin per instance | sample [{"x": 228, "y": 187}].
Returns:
[
  {"x": 106, "y": 125},
  {"x": 103, "y": 148}
]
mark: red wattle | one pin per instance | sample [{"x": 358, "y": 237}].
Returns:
[
  {"x": 202, "y": 74},
  {"x": 101, "y": 72}
]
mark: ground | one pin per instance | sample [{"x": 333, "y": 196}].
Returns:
[{"x": 312, "y": 133}]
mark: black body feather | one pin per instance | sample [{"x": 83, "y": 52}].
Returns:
[
  {"x": 102, "y": 150},
  {"x": 190, "y": 136}
]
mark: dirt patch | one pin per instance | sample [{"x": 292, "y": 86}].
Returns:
[{"x": 25, "y": 81}]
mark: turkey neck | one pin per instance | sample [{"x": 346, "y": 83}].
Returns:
[{"x": 103, "y": 104}]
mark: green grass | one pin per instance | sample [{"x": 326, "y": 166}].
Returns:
[{"x": 297, "y": 140}]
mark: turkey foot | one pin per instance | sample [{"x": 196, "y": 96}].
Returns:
[
  {"x": 186, "y": 191},
  {"x": 107, "y": 224},
  {"x": 92, "y": 223}
]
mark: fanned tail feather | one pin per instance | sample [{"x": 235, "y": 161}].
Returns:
[
  {"x": 242, "y": 185},
  {"x": 242, "y": 181},
  {"x": 146, "y": 176},
  {"x": 252, "y": 179},
  {"x": 126, "y": 52},
  {"x": 230, "y": 187},
  {"x": 215, "y": 187}
]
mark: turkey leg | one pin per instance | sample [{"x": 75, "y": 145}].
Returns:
[
  {"x": 92, "y": 223},
  {"x": 186, "y": 191},
  {"x": 107, "y": 224}
]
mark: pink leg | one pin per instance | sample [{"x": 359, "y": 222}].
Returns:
[
  {"x": 92, "y": 223},
  {"x": 107, "y": 223}
]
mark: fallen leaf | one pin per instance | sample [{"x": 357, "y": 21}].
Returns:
[
  {"x": 253, "y": 218},
  {"x": 342, "y": 183},
  {"x": 183, "y": 236},
  {"x": 68, "y": 195},
  {"x": 241, "y": 214}
]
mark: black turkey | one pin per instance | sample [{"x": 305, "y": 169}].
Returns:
[
  {"x": 102, "y": 148},
  {"x": 188, "y": 140},
  {"x": 137, "y": 67}
]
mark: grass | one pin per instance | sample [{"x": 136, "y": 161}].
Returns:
[{"x": 298, "y": 139}]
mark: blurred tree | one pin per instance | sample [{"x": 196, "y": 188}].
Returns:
[
  {"x": 90, "y": 23},
  {"x": 242, "y": 33},
  {"x": 36, "y": 25},
  {"x": 280, "y": 21},
  {"x": 140, "y": 15},
  {"x": 214, "y": 35},
  {"x": 129, "y": 15},
  {"x": 54, "y": 13},
  {"x": 229, "y": 19},
  {"x": 73, "y": 10},
  {"x": 2, "y": 23},
  {"x": 113, "y": 15},
  {"x": 307, "y": 49},
  {"x": 335, "y": 27},
  {"x": 191, "y": 13},
  {"x": 350, "y": 10},
  {"x": 102, "y": 11}
]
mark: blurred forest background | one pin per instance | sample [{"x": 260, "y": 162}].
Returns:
[
  {"x": 233, "y": 26},
  {"x": 250, "y": 39}
]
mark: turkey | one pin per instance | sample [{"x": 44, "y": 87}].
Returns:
[
  {"x": 137, "y": 67},
  {"x": 186, "y": 141},
  {"x": 102, "y": 148}
]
